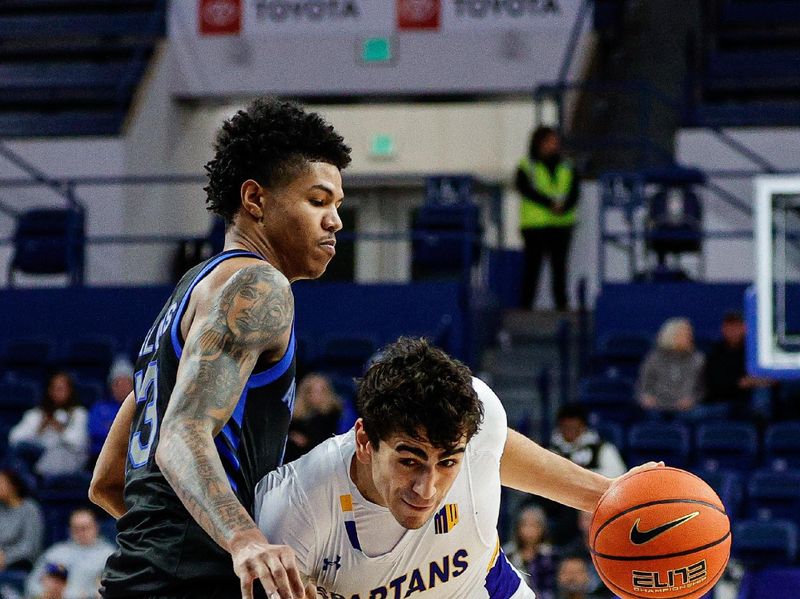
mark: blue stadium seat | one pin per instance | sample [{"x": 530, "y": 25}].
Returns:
[
  {"x": 667, "y": 441},
  {"x": 89, "y": 357},
  {"x": 613, "y": 432},
  {"x": 728, "y": 485},
  {"x": 774, "y": 495},
  {"x": 347, "y": 355},
  {"x": 782, "y": 445},
  {"x": 27, "y": 357},
  {"x": 59, "y": 496},
  {"x": 608, "y": 398},
  {"x": 726, "y": 444},
  {"x": 622, "y": 352},
  {"x": 765, "y": 543},
  {"x": 49, "y": 241},
  {"x": 770, "y": 583},
  {"x": 15, "y": 398},
  {"x": 440, "y": 237}
]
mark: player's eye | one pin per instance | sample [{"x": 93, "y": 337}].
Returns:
[
  {"x": 318, "y": 203},
  {"x": 448, "y": 463},
  {"x": 408, "y": 462}
]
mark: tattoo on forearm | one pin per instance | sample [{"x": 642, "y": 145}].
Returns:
[{"x": 254, "y": 310}]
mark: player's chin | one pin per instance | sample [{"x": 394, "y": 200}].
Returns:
[{"x": 413, "y": 519}]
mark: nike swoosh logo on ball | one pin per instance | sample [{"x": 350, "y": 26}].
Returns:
[{"x": 640, "y": 537}]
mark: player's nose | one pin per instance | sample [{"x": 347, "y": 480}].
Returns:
[
  {"x": 425, "y": 486},
  {"x": 332, "y": 222}
]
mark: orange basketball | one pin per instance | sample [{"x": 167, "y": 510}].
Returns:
[{"x": 660, "y": 533}]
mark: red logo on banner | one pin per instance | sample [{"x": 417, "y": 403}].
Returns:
[
  {"x": 418, "y": 14},
  {"x": 220, "y": 17}
]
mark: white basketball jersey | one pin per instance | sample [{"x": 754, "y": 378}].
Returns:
[{"x": 350, "y": 548}]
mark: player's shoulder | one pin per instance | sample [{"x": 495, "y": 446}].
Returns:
[
  {"x": 493, "y": 430},
  {"x": 305, "y": 478}
]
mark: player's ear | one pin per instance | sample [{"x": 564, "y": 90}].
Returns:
[
  {"x": 252, "y": 201},
  {"x": 363, "y": 445}
]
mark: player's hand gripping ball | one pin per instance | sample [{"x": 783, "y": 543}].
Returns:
[{"x": 660, "y": 533}]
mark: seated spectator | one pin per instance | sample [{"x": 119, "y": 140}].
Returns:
[
  {"x": 83, "y": 556},
  {"x": 102, "y": 413},
  {"x": 531, "y": 555},
  {"x": 21, "y": 524},
  {"x": 671, "y": 377},
  {"x": 57, "y": 428},
  {"x": 575, "y": 580},
  {"x": 574, "y": 440},
  {"x": 316, "y": 415},
  {"x": 727, "y": 381},
  {"x": 53, "y": 582}
]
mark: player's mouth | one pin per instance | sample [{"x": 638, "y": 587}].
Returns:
[
  {"x": 419, "y": 508},
  {"x": 329, "y": 245}
]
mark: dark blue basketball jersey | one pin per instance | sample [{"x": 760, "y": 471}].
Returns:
[{"x": 161, "y": 548}]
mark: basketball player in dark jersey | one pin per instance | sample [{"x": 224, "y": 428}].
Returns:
[{"x": 214, "y": 384}]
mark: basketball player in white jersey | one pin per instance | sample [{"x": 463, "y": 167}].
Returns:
[{"x": 407, "y": 501}]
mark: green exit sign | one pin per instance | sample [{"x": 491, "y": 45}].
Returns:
[
  {"x": 376, "y": 50},
  {"x": 382, "y": 146}
]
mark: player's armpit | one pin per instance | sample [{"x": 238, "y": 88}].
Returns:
[
  {"x": 251, "y": 315},
  {"x": 108, "y": 477}
]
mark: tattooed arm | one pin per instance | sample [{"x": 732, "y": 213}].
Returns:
[{"x": 252, "y": 314}]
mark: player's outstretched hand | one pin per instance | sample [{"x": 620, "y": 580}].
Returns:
[
  {"x": 274, "y": 565},
  {"x": 640, "y": 468}
]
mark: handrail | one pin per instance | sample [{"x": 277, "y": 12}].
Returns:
[
  {"x": 61, "y": 187},
  {"x": 572, "y": 45}
]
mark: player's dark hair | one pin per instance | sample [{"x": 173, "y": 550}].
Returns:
[
  {"x": 270, "y": 142},
  {"x": 418, "y": 390}
]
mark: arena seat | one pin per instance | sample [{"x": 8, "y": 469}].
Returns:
[
  {"x": 16, "y": 397},
  {"x": 49, "y": 241},
  {"x": 608, "y": 398},
  {"x": 765, "y": 543},
  {"x": 613, "y": 432},
  {"x": 89, "y": 357},
  {"x": 667, "y": 441},
  {"x": 774, "y": 495},
  {"x": 727, "y": 444},
  {"x": 27, "y": 358},
  {"x": 59, "y": 496},
  {"x": 622, "y": 352},
  {"x": 771, "y": 582},
  {"x": 782, "y": 445},
  {"x": 728, "y": 485}
]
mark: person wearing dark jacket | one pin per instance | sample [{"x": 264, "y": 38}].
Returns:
[{"x": 549, "y": 189}]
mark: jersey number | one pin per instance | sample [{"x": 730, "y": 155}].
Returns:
[{"x": 146, "y": 390}]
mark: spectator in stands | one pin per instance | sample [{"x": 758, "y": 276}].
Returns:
[
  {"x": 671, "y": 377},
  {"x": 21, "y": 524},
  {"x": 574, "y": 440},
  {"x": 53, "y": 582},
  {"x": 57, "y": 428},
  {"x": 727, "y": 381},
  {"x": 84, "y": 556},
  {"x": 102, "y": 413},
  {"x": 531, "y": 554},
  {"x": 575, "y": 580},
  {"x": 549, "y": 189},
  {"x": 316, "y": 415}
]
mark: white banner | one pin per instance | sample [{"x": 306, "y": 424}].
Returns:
[{"x": 257, "y": 17}]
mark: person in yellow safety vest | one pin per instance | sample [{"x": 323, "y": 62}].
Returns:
[{"x": 549, "y": 189}]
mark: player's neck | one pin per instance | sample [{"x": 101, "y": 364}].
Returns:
[
  {"x": 361, "y": 475},
  {"x": 237, "y": 239}
]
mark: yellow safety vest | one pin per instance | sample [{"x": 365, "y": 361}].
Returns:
[{"x": 535, "y": 216}]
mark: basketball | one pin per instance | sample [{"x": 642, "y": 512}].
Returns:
[{"x": 660, "y": 533}]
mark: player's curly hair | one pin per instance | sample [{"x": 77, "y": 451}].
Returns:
[
  {"x": 418, "y": 390},
  {"x": 270, "y": 142}
]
